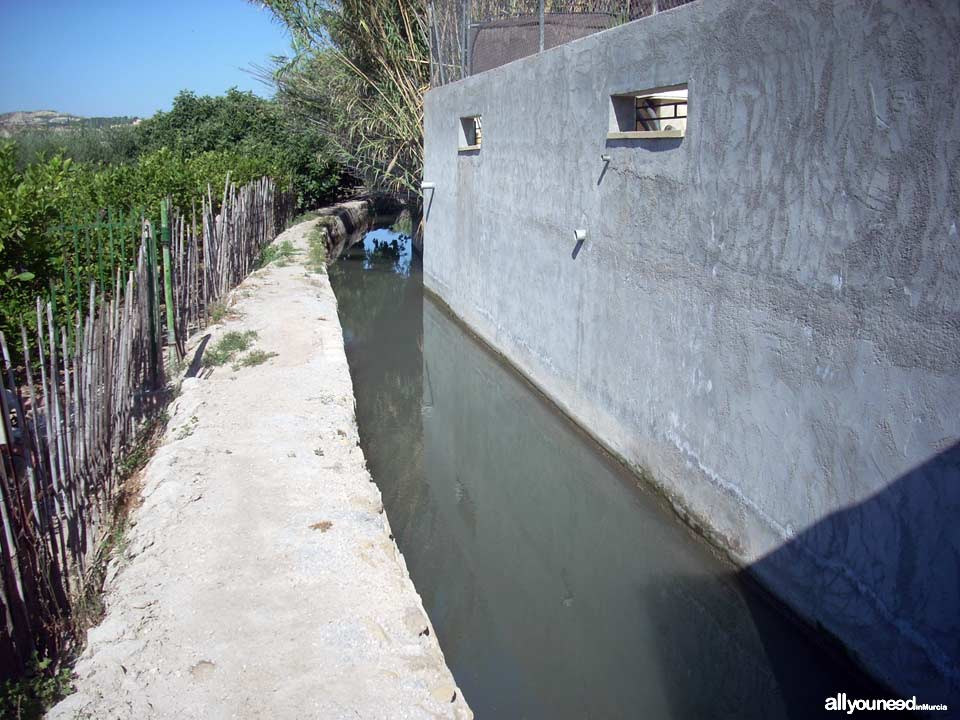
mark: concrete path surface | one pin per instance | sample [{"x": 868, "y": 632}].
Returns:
[{"x": 260, "y": 578}]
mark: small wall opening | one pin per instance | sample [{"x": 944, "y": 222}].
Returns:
[
  {"x": 656, "y": 113},
  {"x": 471, "y": 133}
]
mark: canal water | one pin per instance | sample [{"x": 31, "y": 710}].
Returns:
[{"x": 557, "y": 586}]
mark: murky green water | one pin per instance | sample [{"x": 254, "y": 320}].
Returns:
[{"x": 557, "y": 587}]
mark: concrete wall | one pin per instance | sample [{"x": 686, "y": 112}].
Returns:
[{"x": 765, "y": 317}]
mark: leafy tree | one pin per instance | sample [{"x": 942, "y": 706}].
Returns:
[
  {"x": 29, "y": 202},
  {"x": 56, "y": 190},
  {"x": 237, "y": 125},
  {"x": 247, "y": 125},
  {"x": 77, "y": 175}
]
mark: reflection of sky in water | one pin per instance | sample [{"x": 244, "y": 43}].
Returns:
[{"x": 385, "y": 246}]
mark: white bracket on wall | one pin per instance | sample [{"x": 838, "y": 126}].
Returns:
[{"x": 580, "y": 235}]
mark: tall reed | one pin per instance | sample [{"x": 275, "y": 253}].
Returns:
[{"x": 359, "y": 72}]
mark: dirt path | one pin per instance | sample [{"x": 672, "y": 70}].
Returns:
[{"x": 260, "y": 579}]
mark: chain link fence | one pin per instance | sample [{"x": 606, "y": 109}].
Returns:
[{"x": 470, "y": 36}]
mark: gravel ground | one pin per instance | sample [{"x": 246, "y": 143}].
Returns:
[{"x": 260, "y": 578}]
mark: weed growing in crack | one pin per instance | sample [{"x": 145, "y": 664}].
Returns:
[
  {"x": 256, "y": 357},
  {"x": 186, "y": 430},
  {"x": 220, "y": 311},
  {"x": 138, "y": 455},
  {"x": 311, "y": 215},
  {"x": 228, "y": 347},
  {"x": 176, "y": 365},
  {"x": 317, "y": 253},
  {"x": 279, "y": 254}
]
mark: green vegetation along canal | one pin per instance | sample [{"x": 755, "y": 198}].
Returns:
[{"x": 558, "y": 587}]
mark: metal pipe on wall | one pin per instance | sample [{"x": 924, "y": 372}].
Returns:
[
  {"x": 465, "y": 49},
  {"x": 540, "y": 16}
]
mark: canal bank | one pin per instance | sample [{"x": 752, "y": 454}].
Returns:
[
  {"x": 558, "y": 587},
  {"x": 260, "y": 577}
]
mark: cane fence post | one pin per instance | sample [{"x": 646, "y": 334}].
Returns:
[
  {"x": 167, "y": 273},
  {"x": 149, "y": 245}
]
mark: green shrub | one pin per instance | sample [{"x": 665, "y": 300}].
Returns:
[
  {"x": 83, "y": 144},
  {"x": 30, "y": 201},
  {"x": 30, "y": 696},
  {"x": 249, "y": 126}
]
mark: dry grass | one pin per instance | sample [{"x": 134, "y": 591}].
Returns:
[
  {"x": 220, "y": 311},
  {"x": 256, "y": 357}
]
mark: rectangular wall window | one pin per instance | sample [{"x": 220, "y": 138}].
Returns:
[
  {"x": 656, "y": 113},
  {"x": 471, "y": 134}
]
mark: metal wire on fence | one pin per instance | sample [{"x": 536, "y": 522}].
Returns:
[
  {"x": 470, "y": 36},
  {"x": 93, "y": 248},
  {"x": 72, "y": 405}
]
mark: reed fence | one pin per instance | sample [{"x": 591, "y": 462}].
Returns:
[{"x": 86, "y": 381}]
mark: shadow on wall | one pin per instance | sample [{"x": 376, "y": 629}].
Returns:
[
  {"x": 727, "y": 646},
  {"x": 560, "y": 590},
  {"x": 906, "y": 611}
]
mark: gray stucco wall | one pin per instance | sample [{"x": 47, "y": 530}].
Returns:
[{"x": 765, "y": 317}]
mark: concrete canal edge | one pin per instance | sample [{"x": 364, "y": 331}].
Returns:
[{"x": 260, "y": 577}]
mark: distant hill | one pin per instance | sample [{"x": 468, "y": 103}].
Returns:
[{"x": 21, "y": 120}]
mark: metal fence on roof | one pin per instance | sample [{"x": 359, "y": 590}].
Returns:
[{"x": 470, "y": 36}]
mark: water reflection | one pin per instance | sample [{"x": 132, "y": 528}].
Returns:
[
  {"x": 384, "y": 248},
  {"x": 558, "y": 589}
]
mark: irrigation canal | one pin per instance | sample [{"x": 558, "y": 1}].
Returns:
[{"x": 558, "y": 588}]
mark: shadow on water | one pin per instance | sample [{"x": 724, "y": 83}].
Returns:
[{"x": 557, "y": 587}]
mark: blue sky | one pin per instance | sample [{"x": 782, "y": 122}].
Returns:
[{"x": 129, "y": 57}]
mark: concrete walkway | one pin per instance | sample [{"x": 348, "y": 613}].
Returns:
[{"x": 260, "y": 579}]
